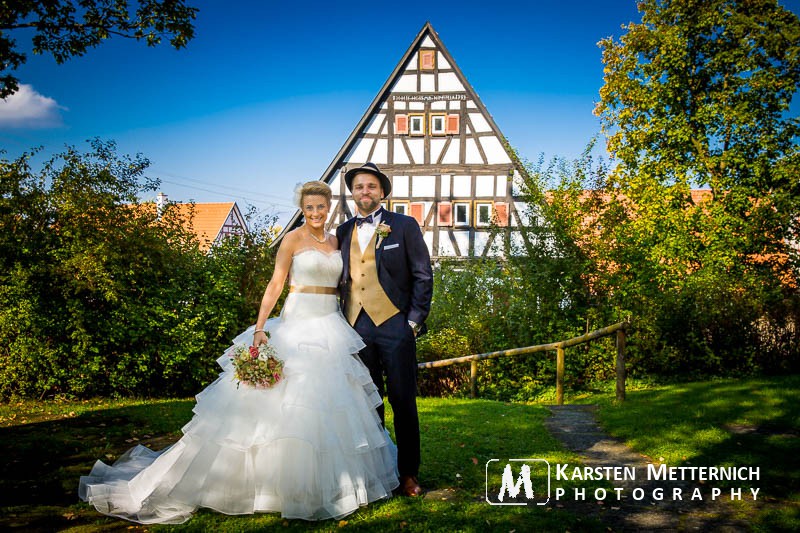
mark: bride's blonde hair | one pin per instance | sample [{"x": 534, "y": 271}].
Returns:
[{"x": 311, "y": 188}]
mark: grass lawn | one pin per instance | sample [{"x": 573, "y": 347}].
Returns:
[
  {"x": 52, "y": 444},
  {"x": 747, "y": 422}
]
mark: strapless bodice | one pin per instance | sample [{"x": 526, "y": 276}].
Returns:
[{"x": 315, "y": 268}]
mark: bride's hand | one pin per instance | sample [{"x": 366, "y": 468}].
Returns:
[{"x": 259, "y": 338}]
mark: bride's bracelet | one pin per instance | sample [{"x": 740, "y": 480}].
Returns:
[{"x": 257, "y": 330}]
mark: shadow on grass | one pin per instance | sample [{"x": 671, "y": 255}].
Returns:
[
  {"x": 742, "y": 423},
  {"x": 46, "y": 458}
]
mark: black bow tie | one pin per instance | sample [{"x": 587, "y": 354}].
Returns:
[{"x": 361, "y": 220}]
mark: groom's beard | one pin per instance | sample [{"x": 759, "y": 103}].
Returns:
[{"x": 367, "y": 205}]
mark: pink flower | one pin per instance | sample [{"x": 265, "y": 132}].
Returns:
[{"x": 254, "y": 352}]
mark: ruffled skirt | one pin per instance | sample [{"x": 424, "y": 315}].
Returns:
[{"x": 310, "y": 447}]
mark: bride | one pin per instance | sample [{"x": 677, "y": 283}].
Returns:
[{"x": 311, "y": 447}]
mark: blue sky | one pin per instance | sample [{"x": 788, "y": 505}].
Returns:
[{"x": 267, "y": 92}]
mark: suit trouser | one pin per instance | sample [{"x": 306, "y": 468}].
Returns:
[{"x": 391, "y": 350}]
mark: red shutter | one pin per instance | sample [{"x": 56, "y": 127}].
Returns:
[
  {"x": 452, "y": 124},
  {"x": 401, "y": 124},
  {"x": 501, "y": 209},
  {"x": 445, "y": 214},
  {"x": 416, "y": 211},
  {"x": 427, "y": 59}
]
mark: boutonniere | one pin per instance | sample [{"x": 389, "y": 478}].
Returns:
[{"x": 383, "y": 231}]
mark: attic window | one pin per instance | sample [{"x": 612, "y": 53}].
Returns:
[
  {"x": 437, "y": 124},
  {"x": 427, "y": 59},
  {"x": 416, "y": 124}
]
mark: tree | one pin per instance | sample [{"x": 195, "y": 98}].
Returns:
[
  {"x": 698, "y": 94},
  {"x": 67, "y": 28}
]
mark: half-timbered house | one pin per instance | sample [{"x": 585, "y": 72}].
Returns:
[{"x": 450, "y": 166}]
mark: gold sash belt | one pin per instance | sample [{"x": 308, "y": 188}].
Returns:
[{"x": 313, "y": 289}]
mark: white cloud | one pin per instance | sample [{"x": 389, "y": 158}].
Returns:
[{"x": 28, "y": 109}]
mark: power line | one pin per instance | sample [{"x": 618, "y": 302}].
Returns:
[{"x": 226, "y": 187}]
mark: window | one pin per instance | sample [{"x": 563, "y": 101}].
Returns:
[
  {"x": 401, "y": 124},
  {"x": 445, "y": 214},
  {"x": 483, "y": 214},
  {"x": 427, "y": 59},
  {"x": 452, "y": 124},
  {"x": 400, "y": 207},
  {"x": 461, "y": 212},
  {"x": 416, "y": 124},
  {"x": 437, "y": 124}
]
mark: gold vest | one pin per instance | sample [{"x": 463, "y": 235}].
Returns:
[{"x": 365, "y": 288}]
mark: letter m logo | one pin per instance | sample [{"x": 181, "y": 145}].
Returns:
[{"x": 503, "y": 487}]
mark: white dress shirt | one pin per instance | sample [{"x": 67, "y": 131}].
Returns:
[{"x": 367, "y": 230}]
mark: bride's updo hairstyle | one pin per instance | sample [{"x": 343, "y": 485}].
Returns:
[{"x": 312, "y": 188}]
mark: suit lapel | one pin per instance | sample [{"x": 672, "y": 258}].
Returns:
[{"x": 386, "y": 218}]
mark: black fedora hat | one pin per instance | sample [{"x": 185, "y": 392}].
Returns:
[{"x": 369, "y": 168}]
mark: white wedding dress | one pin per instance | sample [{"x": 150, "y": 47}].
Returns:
[{"x": 311, "y": 447}]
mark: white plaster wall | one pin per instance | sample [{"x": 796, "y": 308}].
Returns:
[
  {"x": 400, "y": 187},
  {"x": 380, "y": 155},
  {"x": 442, "y": 61},
  {"x": 427, "y": 83},
  {"x": 445, "y": 246},
  {"x": 473, "y": 155},
  {"x": 445, "y": 185},
  {"x": 440, "y": 105},
  {"x": 399, "y": 105},
  {"x": 502, "y": 182},
  {"x": 484, "y": 185},
  {"x": 436, "y": 148},
  {"x": 481, "y": 239},
  {"x": 455, "y": 105},
  {"x": 406, "y": 83},
  {"x": 471, "y": 105},
  {"x": 423, "y": 186},
  {"x": 400, "y": 157},
  {"x": 360, "y": 151},
  {"x": 495, "y": 153},
  {"x": 427, "y": 43},
  {"x": 462, "y": 238},
  {"x": 416, "y": 106},
  {"x": 428, "y": 237},
  {"x": 375, "y": 123},
  {"x": 417, "y": 148},
  {"x": 479, "y": 123},
  {"x": 448, "y": 82},
  {"x": 452, "y": 152},
  {"x": 461, "y": 186}
]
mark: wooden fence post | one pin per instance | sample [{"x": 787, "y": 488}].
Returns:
[
  {"x": 560, "y": 374},
  {"x": 473, "y": 378},
  {"x": 620, "y": 365}
]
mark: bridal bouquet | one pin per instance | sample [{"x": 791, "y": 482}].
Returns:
[{"x": 257, "y": 367}]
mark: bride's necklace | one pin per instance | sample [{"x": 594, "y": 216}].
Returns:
[{"x": 323, "y": 240}]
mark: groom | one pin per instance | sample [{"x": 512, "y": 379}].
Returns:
[{"x": 386, "y": 290}]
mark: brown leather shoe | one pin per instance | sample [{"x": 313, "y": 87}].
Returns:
[{"x": 409, "y": 486}]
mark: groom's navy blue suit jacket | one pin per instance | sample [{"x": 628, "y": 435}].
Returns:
[{"x": 404, "y": 265}]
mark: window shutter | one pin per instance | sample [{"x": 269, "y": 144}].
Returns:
[
  {"x": 427, "y": 59},
  {"x": 416, "y": 211},
  {"x": 401, "y": 124},
  {"x": 445, "y": 217},
  {"x": 501, "y": 209},
  {"x": 452, "y": 124}
]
